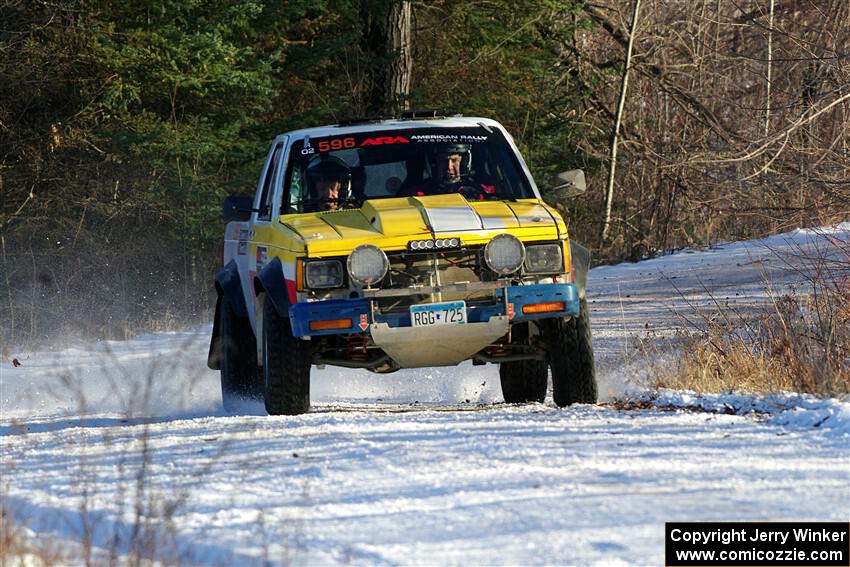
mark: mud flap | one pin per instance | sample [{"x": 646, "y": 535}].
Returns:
[
  {"x": 580, "y": 259},
  {"x": 214, "y": 356}
]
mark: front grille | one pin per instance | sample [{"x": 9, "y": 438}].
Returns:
[{"x": 435, "y": 268}]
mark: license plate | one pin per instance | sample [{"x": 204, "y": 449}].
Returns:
[{"x": 448, "y": 313}]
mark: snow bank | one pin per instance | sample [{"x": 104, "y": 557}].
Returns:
[{"x": 796, "y": 411}]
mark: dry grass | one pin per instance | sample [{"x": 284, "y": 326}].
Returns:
[
  {"x": 797, "y": 342},
  {"x": 18, "y": 546},
  {"x": 782, "y": 350}
]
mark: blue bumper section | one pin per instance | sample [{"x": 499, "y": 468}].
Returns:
[
  {"x": 359, "y": 312},
  {"x": 522, "y": 295}
]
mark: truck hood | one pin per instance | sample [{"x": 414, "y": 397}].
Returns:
[{"x": 392, "y": 223}]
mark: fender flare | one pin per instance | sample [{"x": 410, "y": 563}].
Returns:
[
  {"x": 272, "y": 284},
  {"x": 271, "y": 281},
  {"x": 229, "y": 286},
  {"x": 580, "y": 261}
]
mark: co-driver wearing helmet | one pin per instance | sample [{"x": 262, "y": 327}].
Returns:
[{"x": 330, "y": 179}]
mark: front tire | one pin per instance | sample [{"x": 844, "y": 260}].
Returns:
[
  {"x": 286, "y": 364},
  {"x": 571, "y": 359},
  {"x": 239, "y": 380},
  {"x": 523, "y": 381}
]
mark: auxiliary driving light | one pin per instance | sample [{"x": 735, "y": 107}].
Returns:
[
  {"x": 367, "y": 264},
  {"x": 504, "y": 254},
  {"x": 438, "y": 244}
]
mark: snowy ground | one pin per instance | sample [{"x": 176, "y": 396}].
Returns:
[{"x": 419, "y": 467}]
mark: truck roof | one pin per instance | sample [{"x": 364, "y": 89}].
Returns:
[{"x": 394, "y": 124}]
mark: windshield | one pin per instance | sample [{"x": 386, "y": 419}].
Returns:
[{"x": 338, "y": 172}]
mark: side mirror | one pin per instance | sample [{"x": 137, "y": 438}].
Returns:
[
  {"x": 237, "y": 208},
  {"x": 568, "y": 184}
]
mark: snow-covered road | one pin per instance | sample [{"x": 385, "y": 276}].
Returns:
[{"x": 417, "y": 467}]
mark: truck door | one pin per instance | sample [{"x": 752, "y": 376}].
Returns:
[{"x": 265, "y": 205}]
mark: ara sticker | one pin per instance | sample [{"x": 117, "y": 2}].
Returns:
[
  {"x": 364, "y": 322},
  {"x": 384, "y": 140},
  {"x": 262, "y": 257},
  {"x": 510, "y": 311}
]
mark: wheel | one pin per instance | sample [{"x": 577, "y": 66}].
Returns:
[
  {"x": 523, "y": 380},
  {"x": 286, "y": 364},
  {"x": 239, "y": 380},
  {"x": 571, "y": 360}
]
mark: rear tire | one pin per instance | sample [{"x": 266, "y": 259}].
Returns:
[
  {"x": 523, "y": 381},
  {"x": 571, "y": 359},
  {"x": 239, "y": 380},
  {"x": 286, "y": 364}
]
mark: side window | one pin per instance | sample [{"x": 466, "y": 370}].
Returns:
[
  {"x": 296, "y": 190},
  {"x": 268, "y": 185}
]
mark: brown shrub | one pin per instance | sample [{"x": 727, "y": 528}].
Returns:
[{"x": 797, "y": 343}]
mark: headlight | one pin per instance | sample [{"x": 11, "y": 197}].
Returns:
[
  {"x": 367, "y": 264},
  {"x": 504, "y": 254},
  {"x": 323, "y": 274},
  {"x": 544, "y": 259}
]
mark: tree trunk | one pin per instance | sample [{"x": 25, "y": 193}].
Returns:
[
  {"x": 623, "y": 87},
  {"x": 399, "y": 42},
  {"x": 373, "y": 46},
  {"x": 769, "y": 70},
  {"x": 387, "y": 45}
]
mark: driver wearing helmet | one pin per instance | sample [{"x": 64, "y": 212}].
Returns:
[
  {"x": 450, "y": 167},
  {"x": 330, "y": 182}
]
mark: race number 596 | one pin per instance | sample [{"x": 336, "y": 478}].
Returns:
[{"x": 336, "y": 144}]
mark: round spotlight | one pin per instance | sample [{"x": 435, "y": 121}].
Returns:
[
  {"x": 367, "y": 264},
  {"x": 504, "y": 254}
]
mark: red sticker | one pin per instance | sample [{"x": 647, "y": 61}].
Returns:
[
  {"x": 384, "y": 140},
  {"x": 336, "y": 144},
  {"x": 510, "y": 311},
  {"x": 364, "y": 322}
]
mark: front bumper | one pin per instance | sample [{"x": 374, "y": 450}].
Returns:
[{"x": 512, "y": 304}]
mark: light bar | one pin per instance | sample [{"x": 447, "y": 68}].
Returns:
[
  {"x": 544, "y": 307},
  {"x": 330, "y": 324},
  {"x": 436, "y": 244}
]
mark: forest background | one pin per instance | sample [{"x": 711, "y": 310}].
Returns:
[{"x": 124, "y": 123}]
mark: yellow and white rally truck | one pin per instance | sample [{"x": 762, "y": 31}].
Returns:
[{"x": 400, "y": 243}]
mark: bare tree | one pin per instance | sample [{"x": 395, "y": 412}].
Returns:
[
  {"x": 623, "y": 87},
  {"x": 769, "y": 69}
]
